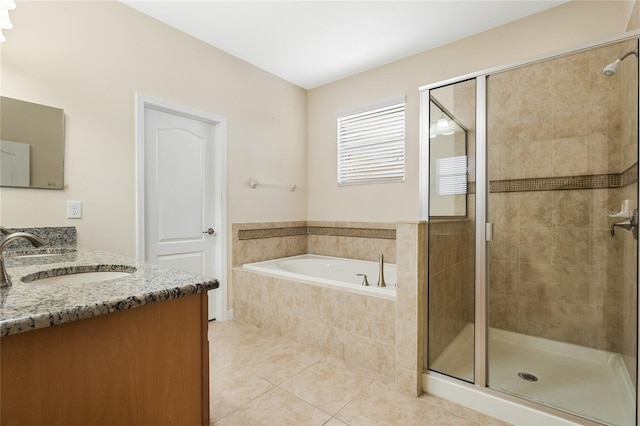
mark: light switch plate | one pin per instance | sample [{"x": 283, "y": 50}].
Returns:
[{"x": 74, "y": 209}]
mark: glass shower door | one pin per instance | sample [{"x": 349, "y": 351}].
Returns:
[
  {"x": 562, "y": 143},
  {"x": 451, "y": 124}
]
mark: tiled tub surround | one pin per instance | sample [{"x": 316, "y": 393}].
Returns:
[
  {"x": 361, "y": 329},
  {"x": 370, "y": 332},
  {"x": 355, "y": 327},
  {"x": 254, "y": 242},
  {"x": 353, "y": 240},
  {"x": 29, "y": 305}
]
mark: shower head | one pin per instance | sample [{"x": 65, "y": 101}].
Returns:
[{"x": 612, "y": 68}]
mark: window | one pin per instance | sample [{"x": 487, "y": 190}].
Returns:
[
  {"x": 371, "y": 144},
  {"x": 452, "y": 175}
]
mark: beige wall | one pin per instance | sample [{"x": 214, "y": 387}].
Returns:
[
  {"x": 90, "y": 58},
  {"x": 563, "y": 27}
]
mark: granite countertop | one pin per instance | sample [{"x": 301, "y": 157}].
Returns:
[{"x": 32, "y": 305}]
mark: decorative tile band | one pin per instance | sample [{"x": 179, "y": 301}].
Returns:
[
  {"x": 556, "y": 183},
  {"x": 252, "y": 234},
  {"x": 611, "y": 180},
  {"x": 630, "y": 175},
  {"x": 385, "y": 234}
]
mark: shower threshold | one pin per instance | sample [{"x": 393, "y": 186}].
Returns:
[{"x": 589, "y": 382}]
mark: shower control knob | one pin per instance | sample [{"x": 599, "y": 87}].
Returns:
[{"x": 209, "y": 231}]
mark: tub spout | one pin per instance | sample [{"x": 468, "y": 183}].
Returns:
[
  {"x": 35, "y": 241},
  {"x": 381, "y": 282}
]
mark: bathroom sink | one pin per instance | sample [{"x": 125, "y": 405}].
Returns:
[
  {"x": 82, "y": 278},
  {"x": 80, "y": 275}
]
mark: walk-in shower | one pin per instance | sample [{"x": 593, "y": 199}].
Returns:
[{"x": 530, "y": 295}]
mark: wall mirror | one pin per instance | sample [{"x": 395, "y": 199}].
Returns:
[{"x": 31, "y": 145}]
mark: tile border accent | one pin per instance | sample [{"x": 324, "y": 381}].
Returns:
[
  {"x": 610, "y": 180},
  {"x": 385, "y": 234},
  {"x": 331, "y": 231},
  {"x": 630, "y": 175},
  {"x": 253, "y": 234}
]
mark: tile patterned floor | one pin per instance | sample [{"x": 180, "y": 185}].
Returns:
[{"x": 261, "y": 379}]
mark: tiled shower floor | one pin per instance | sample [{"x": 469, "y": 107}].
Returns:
[
  {"x": 589, "y": 382},
  {"x": 261, "y": 379}
]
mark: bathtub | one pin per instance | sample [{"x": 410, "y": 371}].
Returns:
[{"x": 330, "y": 271}]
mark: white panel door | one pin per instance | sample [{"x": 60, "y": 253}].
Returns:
[
  {"x": 179, "y": 188},
  {"x": 15, "y": 168}
]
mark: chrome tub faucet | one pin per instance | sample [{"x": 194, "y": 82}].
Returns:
[
  {"x": 381, "y": 282},
  {"x": 364, "y": 280}
]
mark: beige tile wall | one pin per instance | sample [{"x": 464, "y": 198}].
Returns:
[
  {"x": 354, "y": 247},
  {"x": 556, "y": 118},
  {"x": 258, "y": 249},
  {"x": 410, "y": 321},
  {"x": 451, "y": 282},
  {"x": 554, "y": 269},
  {"x": 353, "y": 240},
  {"x": 555, "y": 272}
]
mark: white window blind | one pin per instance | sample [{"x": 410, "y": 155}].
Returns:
[
  {"x": 371, "y": 146},
  {"x": 452, "y": 175}
]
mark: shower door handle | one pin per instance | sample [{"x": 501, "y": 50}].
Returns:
[{"x": 488, "y": 232}]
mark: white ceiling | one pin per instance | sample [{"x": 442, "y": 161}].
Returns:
[{"x": 311, "y": 43}]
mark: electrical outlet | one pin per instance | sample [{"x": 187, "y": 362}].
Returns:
[{"x": 74, "y": 209}]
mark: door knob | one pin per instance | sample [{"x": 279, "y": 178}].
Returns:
[{"x": 209, "y": 231}]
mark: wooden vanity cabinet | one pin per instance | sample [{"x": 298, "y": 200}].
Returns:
[{"x": 143, "y": 366}]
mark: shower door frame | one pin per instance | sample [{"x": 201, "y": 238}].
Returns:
[{"x": 483, "y": 232}]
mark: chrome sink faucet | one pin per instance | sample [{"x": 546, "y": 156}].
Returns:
[
  {"x": 37, "y": 242},
  {"x": 381, "y": 282}
]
